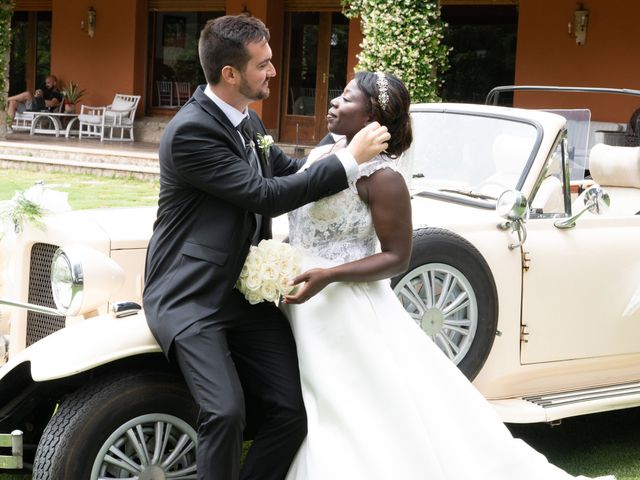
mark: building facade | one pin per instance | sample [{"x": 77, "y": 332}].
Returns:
[{"x": 149, "y": 47}]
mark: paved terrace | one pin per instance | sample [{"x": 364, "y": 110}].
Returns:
[{"x": 137, "y": 159}]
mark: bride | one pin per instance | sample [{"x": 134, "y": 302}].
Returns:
[{"x": 383, "y": 402}]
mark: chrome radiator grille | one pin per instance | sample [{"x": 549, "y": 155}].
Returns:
[{"x": 39, "y": 325}]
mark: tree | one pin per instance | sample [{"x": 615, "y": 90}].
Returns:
[
  {"x": 6, "y": 12},
  {"x": 403, "y": 37}
]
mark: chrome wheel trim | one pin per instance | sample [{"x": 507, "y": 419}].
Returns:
[
  {"x": 149, "y": 447},
  {"x": 443, "y": 303}
]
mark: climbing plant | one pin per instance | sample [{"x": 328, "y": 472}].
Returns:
[
  {"x": 403, "y": 37},
  {"x": 6, "y": 11}
]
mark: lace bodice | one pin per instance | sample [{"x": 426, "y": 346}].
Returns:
[{"x": 338, "y": 228}]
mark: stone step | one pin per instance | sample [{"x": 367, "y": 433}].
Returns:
[
  {"x": 98, "y": 159},
  {"x": 75, "y": 166},
  {"x": 87, "y": 153},
  {"x": 138, "y": 159}
]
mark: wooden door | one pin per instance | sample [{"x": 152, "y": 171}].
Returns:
[{"x": 315, "y": 72}]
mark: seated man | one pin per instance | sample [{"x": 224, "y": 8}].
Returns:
[{"x": 46, "y": 98}]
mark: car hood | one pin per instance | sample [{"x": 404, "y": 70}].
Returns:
[{"x": 125, "y": 228}]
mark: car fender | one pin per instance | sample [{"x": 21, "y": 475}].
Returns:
[{"x": 84, "y": 346}]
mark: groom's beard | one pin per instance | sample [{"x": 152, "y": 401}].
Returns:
[{"x": 254, "y": 94}]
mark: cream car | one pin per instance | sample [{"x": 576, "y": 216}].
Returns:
[{"x": 519, "y": 273}]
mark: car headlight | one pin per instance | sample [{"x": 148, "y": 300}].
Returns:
[
  {"x": 512, "y": 205},
  {"x": 82, "y": 279}
]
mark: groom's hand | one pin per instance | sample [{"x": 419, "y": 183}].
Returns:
[{"x": 369, "y": 142}]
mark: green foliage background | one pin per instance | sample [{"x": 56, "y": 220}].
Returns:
[
  {"x": 6, "y": 11},
  {"x": 403, "y": 37}
]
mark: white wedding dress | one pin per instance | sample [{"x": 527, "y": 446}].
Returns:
[{"x": 383, "y": 402}]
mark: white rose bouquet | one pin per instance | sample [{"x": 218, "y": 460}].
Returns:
[{"x": 267, "y": 271}]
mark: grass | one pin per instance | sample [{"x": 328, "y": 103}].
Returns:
[
  {"x": 601, "y": 444},
  {"x": 85, "y": 191}
]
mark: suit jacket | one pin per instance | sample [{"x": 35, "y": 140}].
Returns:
[{"x": 209, "y": 195}]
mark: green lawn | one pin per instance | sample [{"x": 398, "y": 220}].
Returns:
[
  {"x": 85, "y": 191},
  {"x": 600, "y": 444}
]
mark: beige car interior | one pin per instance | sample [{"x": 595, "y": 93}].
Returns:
[{"x": 617, "y": 170}]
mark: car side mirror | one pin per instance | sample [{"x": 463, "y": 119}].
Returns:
[
  {"x": 513, "y": 206},
  {"x": 596, "y": 201}
]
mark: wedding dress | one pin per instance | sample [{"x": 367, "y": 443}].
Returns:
[{"x": 383, "y": 402}]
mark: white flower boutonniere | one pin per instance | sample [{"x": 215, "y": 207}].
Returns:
[
  {"x": 267, "y": 271},
  {"x": 265, "y": 142}
]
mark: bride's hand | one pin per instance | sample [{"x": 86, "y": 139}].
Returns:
[
  {"x": 369, "y": 142},
  {"x": 314, "y": 281}
]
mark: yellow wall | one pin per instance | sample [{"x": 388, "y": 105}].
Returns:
[{"x": 547, "y": 55}]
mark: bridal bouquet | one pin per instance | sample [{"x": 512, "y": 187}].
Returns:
[{"x": 267, "y": 271}]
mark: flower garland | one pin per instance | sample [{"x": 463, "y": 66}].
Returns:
[
  {"x": 403, "y": 37},
  {"x": 29, "y": 206}
]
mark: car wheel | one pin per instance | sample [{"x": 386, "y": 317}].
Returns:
[
  {"x": 449, "y": 291},
  {"x": 136, "y": 425}
]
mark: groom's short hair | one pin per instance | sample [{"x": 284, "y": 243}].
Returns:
[{"x": 223, "y": 42}]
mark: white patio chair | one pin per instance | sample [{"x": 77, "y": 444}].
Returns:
[
  {"x": 165, "y": 93},
  {"x": 183, "y": 92},
  {"x": 22, "y": 121},
  {"x": 102, "y": 121}
]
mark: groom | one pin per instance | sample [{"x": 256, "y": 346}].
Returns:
[{"x": 217, "y": 196}]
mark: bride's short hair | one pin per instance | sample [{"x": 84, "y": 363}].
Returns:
[{"x": 385, "y": 89}]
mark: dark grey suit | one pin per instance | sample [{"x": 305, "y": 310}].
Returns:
[{"x": 208, "y": 196}]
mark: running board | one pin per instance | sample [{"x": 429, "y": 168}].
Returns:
[{"x": 555, "y": 406}]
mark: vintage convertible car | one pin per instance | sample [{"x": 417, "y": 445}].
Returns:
[{"x": 519, "y": 273}]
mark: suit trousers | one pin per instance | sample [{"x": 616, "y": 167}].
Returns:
[{"x": 243, "y": 349}]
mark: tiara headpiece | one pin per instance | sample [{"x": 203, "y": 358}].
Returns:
[{"x": 383, "y": 90}]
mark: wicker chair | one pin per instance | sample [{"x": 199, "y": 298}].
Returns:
[{"x": 101, "y": 122}]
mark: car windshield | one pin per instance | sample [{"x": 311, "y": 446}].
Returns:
[{"x": 472, "y": 155}]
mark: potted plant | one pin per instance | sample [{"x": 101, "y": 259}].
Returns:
[{"x": 72, "y": 94}]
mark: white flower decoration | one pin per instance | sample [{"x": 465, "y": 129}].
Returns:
[
  {"x": 267, "y": 270},
  {"x": 264, "y": 143}
]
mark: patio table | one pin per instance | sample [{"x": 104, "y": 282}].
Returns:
[{"x": 58, "y": 120}]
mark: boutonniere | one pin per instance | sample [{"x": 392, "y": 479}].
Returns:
[{"x": 264, "y": 143}]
